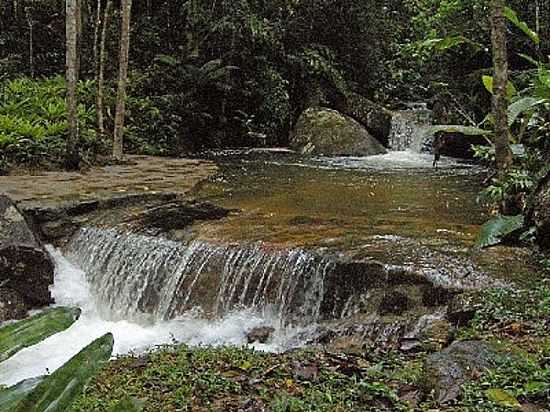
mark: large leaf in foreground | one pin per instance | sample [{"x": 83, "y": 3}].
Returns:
[
  {"x": 10, "y": 397},
  {"x": 27, "y": 332},
  {"x": 465, "y": 130},
  {"x": 57, "y": 392},
  {"x": 494, "y": 231}
]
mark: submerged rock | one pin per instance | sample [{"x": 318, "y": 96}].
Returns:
[
  {"x": 25, "y": 267},
  {"x": 445, "y": 372},
  {"x": 322, "y": 131},
  {"x": 260, "y": 334},
  {"x": 179, "y": 215}
]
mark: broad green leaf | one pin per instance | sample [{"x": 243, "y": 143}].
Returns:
[
  {"x": 10, "y": 397},
  {"x": 28, "y": 332},
  {"x": 57, "y": 391},
  {"x": 449, "y": 42},
  {"x": 166, "y": 59},
  {"x": 465, "y": 130},
  {"x": 511, "y": 90},
  {"x": 502, "y": 398},
  {"x": 520, "y": 106},
  {"x": 512, "y": 16},
  {"x": 493, "y": 232}
]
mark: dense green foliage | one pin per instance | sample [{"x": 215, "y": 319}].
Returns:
[{"x": 219, "y": 74}]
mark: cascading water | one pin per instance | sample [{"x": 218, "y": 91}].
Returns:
[
  {"x": 142, "y": 278},
  {"x": 409, "y": 129},
  {"x": 145, "y": 291}
]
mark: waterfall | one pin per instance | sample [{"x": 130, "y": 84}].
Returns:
[
  {"x": 149, "y": 279},
  {"x": 409, "y": 129}
]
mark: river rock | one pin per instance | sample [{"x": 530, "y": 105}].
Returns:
[
  {"x": 12, "y": 305},
  {"x": 260, "y": 334},
  {"x": 322, "y": 131},
  {"x": 178, "y": 215},
  {"x": 25, "y": 267},
  {"x": 445, "y": 372},
  {"x": 375, "y": 118},
  {"x": 540, "y": 212}
]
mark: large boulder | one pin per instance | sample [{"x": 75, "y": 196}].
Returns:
[
  {"x": 26, "y": 269},
  {"x": 322, "y": 131},
  {"x": 540, "y": 213},
  {"x": 375, "y": 118}
]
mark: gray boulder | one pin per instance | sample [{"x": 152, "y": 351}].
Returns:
[
  {"x": 321, "y": 131},
  {"x": 375, "y": 118},
  {"x": 445, "y": 372},
  {"x": 25, "y": 267}
]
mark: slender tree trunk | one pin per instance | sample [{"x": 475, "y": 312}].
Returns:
[
  {"x": 97, "y": 26},
  {"x": 122, "y": 80},
  {"x": 500, "y": 82},
  {"x": 101, "y": 69},
  {"x": 78, "y": 18},
  {"x": 28, "y": 12},
  {"x": 537, "y": 20},
  {"x": 72, "y": 157}
]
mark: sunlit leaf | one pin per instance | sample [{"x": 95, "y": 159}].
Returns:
[{"x": 496, "y": 229}]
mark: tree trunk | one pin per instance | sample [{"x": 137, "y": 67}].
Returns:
[
  {"x": 72, "y": 159},
  {"x": 97, "y": 26},
  {"x": 503, "y": 154},
  {"x": 78, "y": 19},
  {"x": 28, "y": 12},
  {"x": 101, "y": 68},
  {"x": 122, "y": 80}
]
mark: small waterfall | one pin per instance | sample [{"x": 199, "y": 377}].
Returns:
[
  {"x": 409, "y": 129},
  {"x": 147, "y": 279}
]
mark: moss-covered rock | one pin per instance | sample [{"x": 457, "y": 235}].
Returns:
[
  {"x": 19, "y": 335},
  {"x": 322, "y": 131}
]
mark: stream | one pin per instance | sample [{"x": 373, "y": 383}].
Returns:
[{"x": 274, "y": 262}]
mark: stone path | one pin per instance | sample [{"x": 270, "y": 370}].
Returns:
[{"x": 149, "y": 175}]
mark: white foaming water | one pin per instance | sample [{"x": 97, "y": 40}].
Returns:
[
  {"x": 72, "y": 289},
  {"x": 404, "y": 159},
  {"x": 388, "y": 163}
]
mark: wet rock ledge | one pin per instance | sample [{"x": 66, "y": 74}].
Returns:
[{"x": 26, "y": 269}]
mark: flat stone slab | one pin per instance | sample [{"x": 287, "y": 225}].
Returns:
[{"x": 146, "y": 175}]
